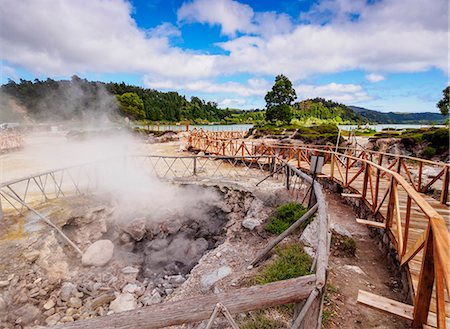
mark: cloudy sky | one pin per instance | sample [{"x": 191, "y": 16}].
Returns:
[{"x": 388, "y": 55}]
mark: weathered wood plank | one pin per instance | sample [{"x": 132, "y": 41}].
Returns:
[
  {"x": 370, "y": 223},
  {"x": 201, "y": 307}
]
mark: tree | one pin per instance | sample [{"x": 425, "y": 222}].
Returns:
[
  {"x": 131, "y": 105},
  {"x": 444, "y": 103},
  {"x": 279, "y": 99}
]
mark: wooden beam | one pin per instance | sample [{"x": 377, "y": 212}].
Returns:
[
  {"x": 201, "y": 307},
  {"x": 371, "y": 223}
]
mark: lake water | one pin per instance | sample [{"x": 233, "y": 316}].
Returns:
[
  {"x": 380, "y": 127},
  {"x": 244, "y": 127}
]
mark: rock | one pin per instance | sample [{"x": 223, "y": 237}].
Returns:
[
  {"x": 123, "y": 302},
  {"x": 354, "y": 268},
  {"x": 49, "y": 304},
  {"x": 66, "y": 319},
  {"x": 155, "y": 298},
  {"x": 31, "y": 256},
  {"x": 168, "y": 291},
  {"x": 26, "y": 314},
  {"x": 137, "y": 229},
  {"x": 309, "y": 238},
  {"x": 75, "y": 302},
  {"x": 250, "y": 223},
  {"x": 211, "y": 278},
  {"x": 176, "y": 280},
  {"x": 101, "y": 300},
  {"x": 52, "y": 319},
  {"x": 131, "y": 288},
  {"x": 2, "y": 305},
  {"x": 67, "y": 290},
  {"x": 254, "y": 215},
  {"x": 4, "y": 283},
  {"x": 130, "y": 270},
  {"x": 98, "y": 254},
  {"x": 341, "y": 230}
]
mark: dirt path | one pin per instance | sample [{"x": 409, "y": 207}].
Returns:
[{"x": 368, "y": 271}]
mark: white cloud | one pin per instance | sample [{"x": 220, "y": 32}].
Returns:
[
  {"x": 253, "y": 87},
  {"x": 80, "y": 36},
  {"x": 343, "y": 93},
  {"x": 165, "y": 30},
  {"x": 234, "y": 17},
  {"x": 232, "y": 102},
  {"x": 373, "y": 77},
  {"x": 57, "y": 37},
  {"x": 8, "y": 72},
  {"x": 231, "y": 15}
]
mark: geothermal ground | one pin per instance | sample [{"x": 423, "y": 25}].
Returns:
[{"x": 174, "y": 241}]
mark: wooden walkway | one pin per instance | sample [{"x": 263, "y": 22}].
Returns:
[{"x": 393, "y": 187}]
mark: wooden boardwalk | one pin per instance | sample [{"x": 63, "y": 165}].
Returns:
[{"x": 395, "y": 189}]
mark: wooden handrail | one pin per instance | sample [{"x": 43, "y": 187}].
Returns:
[{"x": 438, "y": 233}]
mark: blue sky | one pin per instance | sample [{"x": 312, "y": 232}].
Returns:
[{"x": 387, "y": 55}]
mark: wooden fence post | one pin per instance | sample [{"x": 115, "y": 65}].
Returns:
[{"x": 425, "y": 286}]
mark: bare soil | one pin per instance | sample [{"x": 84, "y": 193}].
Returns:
[{"x": 376, "y": 276}]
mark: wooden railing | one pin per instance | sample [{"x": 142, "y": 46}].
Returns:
[
  {"x": 425, "y": 176},
  {"x": 385, "y": 190}
]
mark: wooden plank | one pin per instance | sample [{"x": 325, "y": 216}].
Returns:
[
  {"x": 201, "y": 307},
  {"x": 371, "y": 223},
  {"x": 351, "y": 195},
  {"x": 385, "y": 304},
  {"x": 394, "y": 307}
]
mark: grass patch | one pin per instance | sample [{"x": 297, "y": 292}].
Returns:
[
  {"x": 343, "y": 245},
  {"x": 292, "y": 262},
  {"x": 285, "y": 216},
  {"x": 259, "y": 320},
  {"x": 329, "y": 306}
]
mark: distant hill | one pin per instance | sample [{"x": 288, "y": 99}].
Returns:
[{"x": 392, "y": 117}]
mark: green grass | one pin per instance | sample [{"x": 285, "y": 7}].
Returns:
[
  {"x": 259, "y": 320},
  {"x": 285, "y": 216},
  {"x": 292, "y": 262}
]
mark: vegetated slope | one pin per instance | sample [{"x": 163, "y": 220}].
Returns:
[
  {"x": 326, "y": 110},
  {"x": 398, "y": 118},
  {"x": 71, "y": 99}
]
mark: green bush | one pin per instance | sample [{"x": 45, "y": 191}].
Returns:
[
  {"x": 285, "y": 216},
  {"x": 428, "y": 152},
  {"x": 261, "y": 321},
  {"x": 292, "y": 262},
  {"x": 344, "y": 244}
]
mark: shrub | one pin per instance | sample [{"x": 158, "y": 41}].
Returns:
[
  {"x": 428, "y": 152},
  {"x": 292, "y": 262},
  {"x": 285, "y": 216},
  {"x": 344, "y": 244}
]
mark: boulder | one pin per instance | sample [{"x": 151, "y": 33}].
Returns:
[
  {"x": 98, "y": 254},
  {"x": 123, "y": 302},
  {"x": 341, "y": 230},
  {"x": 209, "y": 279},
  {"x": 256, "y": 213},
  {"x": 309, "y": 237},
  {"x": 27, "y": 314},
  {"x": 137, "y": 229}
]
